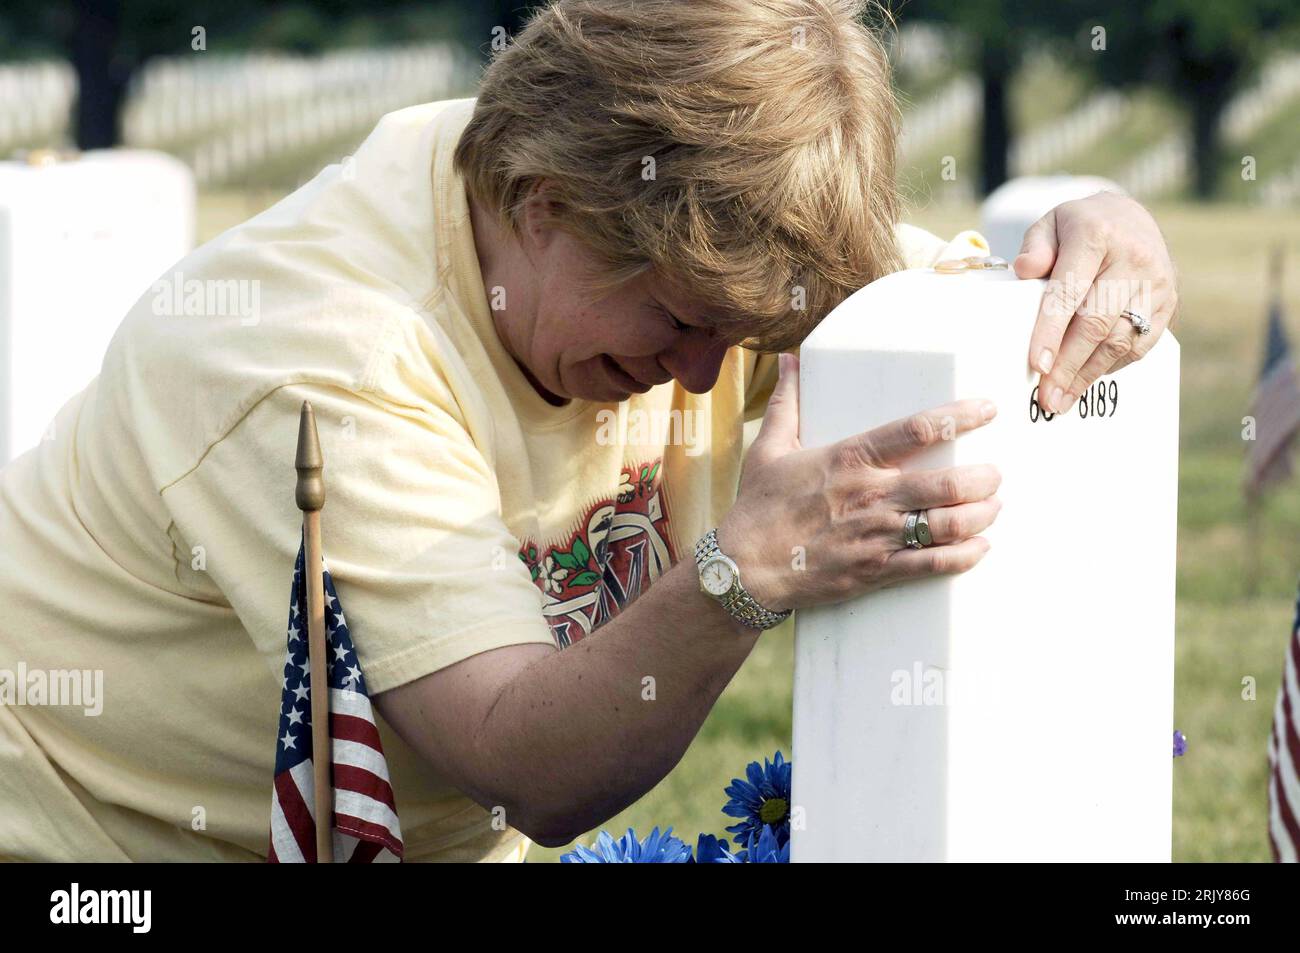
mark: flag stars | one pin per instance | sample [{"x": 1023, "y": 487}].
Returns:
[{"x": 342, "y": 669}]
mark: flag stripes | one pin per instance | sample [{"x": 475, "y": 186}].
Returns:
[{"x": 365, "y": 825}]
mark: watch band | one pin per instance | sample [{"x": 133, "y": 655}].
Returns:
[{"x": 743, "y": 607}]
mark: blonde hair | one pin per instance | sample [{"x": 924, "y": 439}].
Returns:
[{"x": 744, "y": 149}]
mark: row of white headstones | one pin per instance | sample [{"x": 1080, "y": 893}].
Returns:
[
  {"x": 227, "y": 115},
  {"x": 1159, "y": 170}
]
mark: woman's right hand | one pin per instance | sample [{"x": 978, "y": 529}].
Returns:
[{"x": 845, "y": 505}]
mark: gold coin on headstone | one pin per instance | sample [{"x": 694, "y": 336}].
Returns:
[
  {"x": 984, "y": 262},
  {"x": 39, "y": 157},
  {"x": 950, "y": 266}
]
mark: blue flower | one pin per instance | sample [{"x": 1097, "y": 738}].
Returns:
[
  {"x": 1180, "y": 744},
  {"x": 711, "y": 850},
  {"x": 768, "y": 849},
  {"x": 761, "y": 801},
  {"x": 656, "y": 849}
]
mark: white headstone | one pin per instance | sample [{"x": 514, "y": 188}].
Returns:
[
  {"x": 1013, "y": 206},
  {"x": 80, "y": 241},
  {"x": 1022, "y": 710}
]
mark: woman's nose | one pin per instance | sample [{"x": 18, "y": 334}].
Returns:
[{"x": 695, "y": 364}]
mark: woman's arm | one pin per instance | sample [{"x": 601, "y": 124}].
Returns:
[{"x": 564, "y": 740}]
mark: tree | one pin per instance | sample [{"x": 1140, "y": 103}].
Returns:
[
  {"x": 992, "y": 37},
  {"x": 1202, "y": 52},
  {"x": 510, "y": 15},
  {"x": 107, "y": 41}
]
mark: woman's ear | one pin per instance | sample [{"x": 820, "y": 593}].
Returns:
[{"x": 541, "y": 208}]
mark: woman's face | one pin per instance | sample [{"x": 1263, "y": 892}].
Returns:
[
  {"x": 605, "y": 349},
  {"x": 572, "y": 344}
]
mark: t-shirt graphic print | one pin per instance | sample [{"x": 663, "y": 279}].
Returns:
[{"x": 618, "y": 548}]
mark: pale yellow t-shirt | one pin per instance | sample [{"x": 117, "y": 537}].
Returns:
[{"x": 151, "y": 537}]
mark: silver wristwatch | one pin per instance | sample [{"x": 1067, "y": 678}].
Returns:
[{"x": 720, "y": 578}]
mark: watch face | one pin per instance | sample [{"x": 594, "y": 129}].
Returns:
[{"x": 716, "y": 577}]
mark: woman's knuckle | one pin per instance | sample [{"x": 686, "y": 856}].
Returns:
[
  {"x": 1118, "y": 346},
  {"x": 847, "y": 455},
  {"x": 1094, "y": 325},
  {"x": 1075, "y": 208},
  {"x": 919, "y": 429},
  {"x": 1141, "y": 256},
  {"x": 1093, "y": 231},
  {"x": 870, "y": 563},
  {"x": 864, "y": 501}
]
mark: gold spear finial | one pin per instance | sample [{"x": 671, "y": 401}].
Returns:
[{"x": 310, "y": 492}]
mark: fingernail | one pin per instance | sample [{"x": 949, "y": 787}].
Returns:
[
  {"x": 1057, "y": 396},
  {"x": 988, "y": 410},
  {"x": 1045, "y": 360}
]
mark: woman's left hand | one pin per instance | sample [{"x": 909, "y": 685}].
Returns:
[{"x": 1104, "y": 255}]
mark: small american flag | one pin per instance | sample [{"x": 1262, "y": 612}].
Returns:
[
  {"x": 366, "y": 828},
  {"x": 1276, "y": 409},
  {"x": 1284, "y": 756}
]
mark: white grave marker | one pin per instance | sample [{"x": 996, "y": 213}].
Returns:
[
  {"x": 80, "y": 241},
  {"x": 1013, "y": 206},
  {"x": 1022, "y": 710}
]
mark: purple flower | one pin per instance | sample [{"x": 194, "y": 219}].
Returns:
[{"x": 1180, "y": 744}]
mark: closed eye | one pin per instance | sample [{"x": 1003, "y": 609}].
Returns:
[{"x": 677, "y": 325}]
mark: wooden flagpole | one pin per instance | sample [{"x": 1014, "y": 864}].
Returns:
[
  {"x": 310, "y": 495},
  {"x": 1254, "y": 501}
]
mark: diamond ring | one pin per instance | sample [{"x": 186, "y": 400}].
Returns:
[{"x": 1140, "y": 324}]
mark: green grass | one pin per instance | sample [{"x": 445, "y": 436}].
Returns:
[{"x": 1234, "y": 615}]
